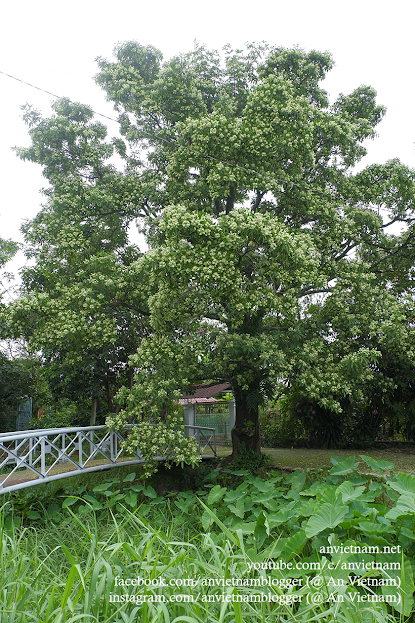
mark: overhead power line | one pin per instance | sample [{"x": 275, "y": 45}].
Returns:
[
  {"x": 53, "y": 94},
  {"x": 185, "y": 147}
]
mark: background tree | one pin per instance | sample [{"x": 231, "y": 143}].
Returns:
[
  {"x": 339, "y": 398},
  {"x": 76, "y": 305},
  {"x": 8, "y": 249},
  {"x": 21, "y": 376}
]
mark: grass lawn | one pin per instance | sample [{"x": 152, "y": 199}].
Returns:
[{"x": 290, "y": 459}]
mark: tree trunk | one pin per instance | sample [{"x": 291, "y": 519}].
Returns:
[
  {"x": 108, "y": 396},
  {"x": 93, "y": 417},
  {"x": 246, "y": 429},
  {"x": 130, "y": 378}
]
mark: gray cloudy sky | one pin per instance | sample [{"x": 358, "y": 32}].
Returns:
[{"x": 53, "y": 45}]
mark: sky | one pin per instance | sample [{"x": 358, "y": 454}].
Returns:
[{"x": 54, "y": 45}]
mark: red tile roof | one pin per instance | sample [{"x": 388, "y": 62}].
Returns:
[
  {"x": 205, "y": 391},
  {"x": 199, "y": 401}
]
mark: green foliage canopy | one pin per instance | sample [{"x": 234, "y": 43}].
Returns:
[
  {"x": 77, "y": 306},
  {"x": 261, "y": 233},
  {"x": 273, "y": 244}
]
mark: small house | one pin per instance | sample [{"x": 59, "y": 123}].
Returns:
[{"x": 210, "y": 405}]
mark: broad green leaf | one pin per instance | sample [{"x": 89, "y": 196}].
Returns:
[
  {"x": 346, "y": 466},
  {"x": 149, "y": 492},
  {"x": 326, "y": 516},
  {"x": 246, "y": 527},
  {"x": 96, "y": 505},
  {"x": 404, "y": 506},
  {"x": 408, "y": 533},
  {"x": 111, "y": 494},
  {"x": 329, "y": 496},
  {"x": 315, "y": 489},
  {"x": 371, "y": 527},
  {"x": 113, "y": 500},
  {"x": 183, "y": 505},
  {"x": 294, "y": 545},
  {"x": 307, "y": 508},
  {"x": 292, "y": 494},
  {"x": 283, "y": 514},
  {"x": 70, "y": 501},
  {"x": 347, "y": 491},
  {"x": 359, "y": 508},
  {"x": 296, "y": 479},
  {"x": 261, "y": 530},
  {"x": 216, "y": 494},
  {"x": 231, "y": 496},
  {"x": 221, "y": 525},
  {"x": 206, "y": 520},
  {"x": 377, "y": 466},
  {"x": 129, "y": 477},
  {"x": 336, "y": 459},
  {"x": 53, "y": 509},
  {"x": 102, "y": 487},
  {"x": 263, "y": 486},
  {"x": 237, "y": 510},
  {"x": 403, "y": 483},
  {"x": 272, "y": 505},
  {"x": 131, "y": 499},
  {"x": 357, "y": 479},
  {"x": 262, "y": 498}
]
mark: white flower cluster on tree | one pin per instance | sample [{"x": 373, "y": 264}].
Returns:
[{"x": 163, "y": 439}]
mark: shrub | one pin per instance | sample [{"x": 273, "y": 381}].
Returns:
[{"x": 281, "y": 425}]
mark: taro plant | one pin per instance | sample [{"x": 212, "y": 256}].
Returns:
[{"x": 289, "y": 548}]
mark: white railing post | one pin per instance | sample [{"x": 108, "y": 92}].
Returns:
[
  {"x": 81, "y": 459},
  {"x": 91, "y": 447},
  {"x": 42, "y": 457},
  {"x": 189, "y": 418},
  {"x": 112, "y": 446},
  {"x": 31, "y": 451},
  {"x": 63, "y": 455}
]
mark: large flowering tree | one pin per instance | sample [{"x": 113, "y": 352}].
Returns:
[{"x": 260, "y": 231}]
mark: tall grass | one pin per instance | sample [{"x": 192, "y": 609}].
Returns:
[{"x": 69, "y": 572}]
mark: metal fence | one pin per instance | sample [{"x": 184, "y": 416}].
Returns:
[
  {"x": 219, "y": 421},
  {"x": 39, "y": 456}
]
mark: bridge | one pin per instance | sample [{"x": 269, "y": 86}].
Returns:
[{"x": 32, "y": 457}]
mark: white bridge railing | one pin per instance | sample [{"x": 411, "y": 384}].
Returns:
[{"x": 32, "y": 457}]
